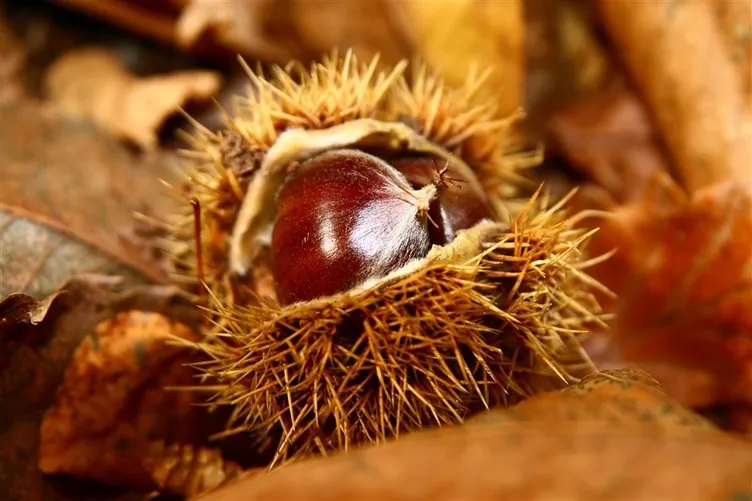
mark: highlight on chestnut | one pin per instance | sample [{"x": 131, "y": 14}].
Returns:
[{"x": 375, "y": 270}]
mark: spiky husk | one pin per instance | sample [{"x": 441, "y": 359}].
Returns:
[
  {"x": 487, "y": 320},
  {"x": 333, "y": 92}
]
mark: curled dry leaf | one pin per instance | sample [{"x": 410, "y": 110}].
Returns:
[
  {"x": 685, "y": 60},
  {"x": 22, "y": 308},
  {"x": 238, "y": 26},
  {"x": 614, "y": 436},
  {"x": 33, "y": 367},
  {"x": 112, "y": 416},
  {"x": 608, "y": 137},
  {"x": 67, "y": 201},
  {"x": 19, "y": 309},
  {"x": 90, "y": 82},
  {"x": 683, "y": 275}
]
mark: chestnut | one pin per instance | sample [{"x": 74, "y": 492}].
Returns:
[{"x": 343, "y": 217}]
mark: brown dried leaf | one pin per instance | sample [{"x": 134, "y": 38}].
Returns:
[
  {"x": 614, "y": 436},
  {"x": 18, "y": 309},
  {"x": 112, "y": 415},
  {"x": 683, "y": 274},
  {"x": 91, "y": 82},
  {"x": 187, "y": 470},
  {"x": 696, "y": 87},
  {"x": 22, "y": 308},
  {"x": 67, "y": 203},
  {"x": 298, "y": 29},
  {"x": 608, "y": 137},
  {"x": 33, "y": 367},
  {"x": 36, "y": 259},
  {"x": 238, "y": 26}
]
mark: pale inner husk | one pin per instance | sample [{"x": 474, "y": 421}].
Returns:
[{"x": 256, "y": 215}]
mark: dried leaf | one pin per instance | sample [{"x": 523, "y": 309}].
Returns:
[
  {"x": 683, "y": 274},
  {"x": 33, "y": 368},
  {"x": 15, "y": 310},
  {"x": 90, "y": 82},
  {"x": 696, "y": 87},
  {"x": 280, "y": 31},
  {"x": 187, "y": 470},
  {"x": 21, "y": 308},
  {"x": 67, "y": 203},
  {"x": 112, "y": 415},
  {"x": 608, "y": 137},
  {"x": 238, "y": 26},
  {"x": 572, "y": 444}
]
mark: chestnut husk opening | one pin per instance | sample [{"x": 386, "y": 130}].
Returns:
[{"x": 391, "y": 354}]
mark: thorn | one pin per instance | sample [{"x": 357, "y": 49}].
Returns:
[{"x": 199, "y": 249}]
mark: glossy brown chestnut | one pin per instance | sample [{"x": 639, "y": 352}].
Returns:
[
  {"x": 343, "y": 217},
  {"x": 460, "y": 203}
]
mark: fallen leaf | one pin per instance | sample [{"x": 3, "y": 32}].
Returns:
[
  {"x": 36, "y": 259},
  {"x": 238, "y": 26},
  {"x": 188, "y": 471},
  {"x": 696, "y": 88},
  {"x": 90, "y": 82},
  {"x": 609, "y": 139},
  {"x": 34, "y": 365},
  {"x": 68, "y": 198},
  {"x": 112, "y": 416},
  {"x": 21, "y": 308},
  {"x": 683, "y": 277},
  {"x": 15, "y": 310},
  {"x": 614, "y": 436}
]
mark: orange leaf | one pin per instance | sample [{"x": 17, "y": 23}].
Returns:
[
  {"x": 683, "y": 274},
  {"x": 614, "y": 436},
  {"x": 689, "y": 61},
  {"x": 112, "y": 415}
]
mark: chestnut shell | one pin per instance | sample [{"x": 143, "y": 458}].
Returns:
[{"x": 343, "y": 217}]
